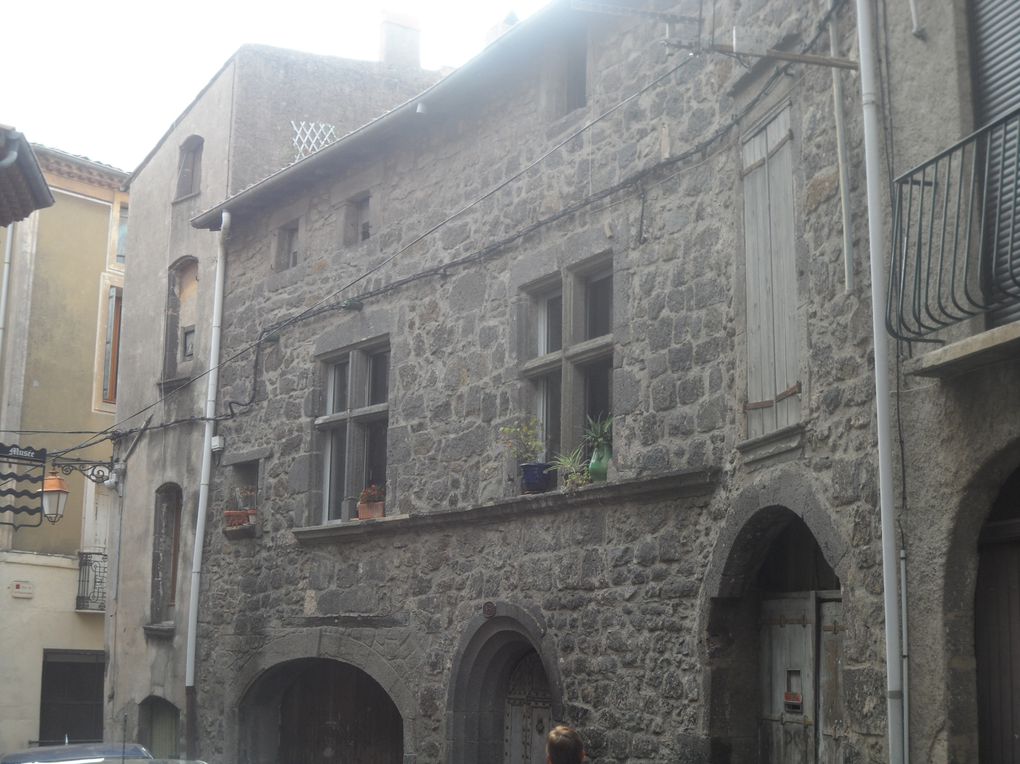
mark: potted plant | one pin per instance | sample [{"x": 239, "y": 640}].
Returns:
[
  {"x": 573, "y": 468},
  {"x": 522, "y": 438},
  {"x": 598, "y": 436},
  {"x": 242, "y": 509},
  {"x": 371, "y": 502}
]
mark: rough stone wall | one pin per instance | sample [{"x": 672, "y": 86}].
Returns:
[{"x": 628, "y": 598}]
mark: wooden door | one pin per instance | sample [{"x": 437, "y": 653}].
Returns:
[
  {"x": 831, "y": 715},
  {"x": 528, "y": 713},
  {"x": 802, "y": 715},
  {"x": 997, "y": 643},
  {"x": 788, "y": 680}
]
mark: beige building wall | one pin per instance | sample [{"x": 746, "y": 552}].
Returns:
[
  {"x": 63, "y": 267},
  {"x": 32, "y": 624}
]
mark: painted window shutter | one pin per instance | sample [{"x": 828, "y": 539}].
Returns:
[{"x": 773, "y": 361}]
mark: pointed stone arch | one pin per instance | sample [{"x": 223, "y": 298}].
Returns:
[
  {"x": 493, "y": 645},
  {"x": 782, "y": 507}
]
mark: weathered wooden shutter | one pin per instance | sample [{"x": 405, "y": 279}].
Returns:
[
  {"x": 773, "y": 363},
  {"x": 996, "y": 36}
]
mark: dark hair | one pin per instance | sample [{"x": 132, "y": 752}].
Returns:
[{"x": 564, "y": 746}]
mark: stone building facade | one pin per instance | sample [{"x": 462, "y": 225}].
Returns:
[
  {"x": 263, "y": 110},
  {"x": 585, "y": 219}
]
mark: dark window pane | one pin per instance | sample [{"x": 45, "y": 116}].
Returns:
[
  {"x": 337, "y": 472},
  {"x": 551, "y": 413},
  {"x": 598, "y": 389},
  {"x": 599, "y": 307},
  {"x": 340, "y": 373},
  {"x": 554, "y": 323},
  {"x": 122, "y": 234},
  {"x": 379, "y": 378},
  {"x": 576, "y": 74},
  {"x": 375, "y": 453},
  {"x": 71, "y": 706}
]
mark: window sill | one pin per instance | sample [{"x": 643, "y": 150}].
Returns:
[
  {"x": 965, "y": 355},
  {"x": 767, "y": 447},
  {"x": 169, "y": 385},
  {"x": 698, "y": 482},
  {"x": 185, "y": 198},
  {"x": 164, "y": 630}
]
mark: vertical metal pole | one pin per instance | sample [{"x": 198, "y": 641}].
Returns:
[{"x": 872, "y": 147}]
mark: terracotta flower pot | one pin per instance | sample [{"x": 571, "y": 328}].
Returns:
[
  {"x": 235, "y": 518},
  {"x": 370, "y": 510}
]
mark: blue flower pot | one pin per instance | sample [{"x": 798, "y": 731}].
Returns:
[{"x": 534, "y": 478}]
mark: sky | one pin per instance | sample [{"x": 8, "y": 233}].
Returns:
[{"x": 106, "y": 81}]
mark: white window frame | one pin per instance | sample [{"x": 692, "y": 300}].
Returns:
[{"x": 357, "y": 415}]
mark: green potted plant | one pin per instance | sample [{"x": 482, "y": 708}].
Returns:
[
  {"x": 573, "y": 468},
  {"x": 372, "y": 502},
  {"x": 523, "y": 440},
  {"x": 598, "y": 436}
]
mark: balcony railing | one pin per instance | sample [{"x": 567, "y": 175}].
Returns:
[
  {"x": 956, "y": 236},
  {"x": 91, "y": 581}
]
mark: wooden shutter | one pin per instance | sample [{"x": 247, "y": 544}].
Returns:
[
  {"x": 996, "y": 36},
  {"x": 773, "y": 363}
]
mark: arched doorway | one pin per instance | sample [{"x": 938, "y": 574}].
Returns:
[
  {"x": 505, "y": 690},
  {"x": 997, "y": 629},
  {"x": 775, "y": 648},
  {"x": 158, "y": 725},
  {"x": 319, "y": 711}
]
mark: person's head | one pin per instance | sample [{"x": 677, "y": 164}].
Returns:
[{"x": 564, "y": 746}]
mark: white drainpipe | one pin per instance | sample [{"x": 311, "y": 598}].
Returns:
[
  {"x": 203, "y": 491},
  {"x": 872, "y": 148},
  {"x": 5, "y": 284}
]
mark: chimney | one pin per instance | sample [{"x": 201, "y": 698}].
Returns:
[{"x": 401, "y": 41}]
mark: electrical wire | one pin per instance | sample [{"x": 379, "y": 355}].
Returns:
[{"x": 321, "y": 306}]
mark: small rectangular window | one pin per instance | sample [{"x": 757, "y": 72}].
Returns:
[
  {"x": 548, "y": 389},
  {"x": 187, "y": 343},
  {"x": 339, "y": 384},
  {"x": 357, "y": 220},
  {"x": 337, "y": 472},
  {"x": 122, "y": 226},
  {"x": 111, "y": 353},
  {"x": 575, "y": 82},
  {"x": 598, "y": 389},
  {"x": 287, "y": 246},
  {"x": 551, "y": 324}
]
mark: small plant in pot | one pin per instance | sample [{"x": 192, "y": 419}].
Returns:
[
  {"x": 598, "y": 436},
  {"x": 573, "y": 468},
  {"x": 522, "y": 438},
  {"x": 372, "y": 502},
  {"x": 242, "y": 509}
]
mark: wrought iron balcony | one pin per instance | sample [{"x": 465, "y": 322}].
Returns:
[
  {"x": 91, "y": 581},
  {"x": 956, "y": 236}
]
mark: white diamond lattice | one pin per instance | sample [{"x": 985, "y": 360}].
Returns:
[{"x": 309, "y": 137}]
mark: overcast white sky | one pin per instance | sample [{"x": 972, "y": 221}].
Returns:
[{"x": 106, "y": 80}]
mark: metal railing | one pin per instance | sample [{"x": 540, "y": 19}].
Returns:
[
  {"x": 91, "y": 581},
  {"x": 956, "y": 235}
]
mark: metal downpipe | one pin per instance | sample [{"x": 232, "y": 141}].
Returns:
[
  {"x": 872, "y": 148},
  {"x": 203, "y": 491}
]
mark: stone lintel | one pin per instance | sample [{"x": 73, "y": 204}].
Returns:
[{"x": 684, "y": 483}]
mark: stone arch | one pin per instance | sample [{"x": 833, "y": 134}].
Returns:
[
  {"x": 959, "y": 583},
  {"x": 322, "y": 643},
  {"x": 492, "y": 645},
  {"x": 159, "y": 724},
  {"x": 759, "y": 516}
]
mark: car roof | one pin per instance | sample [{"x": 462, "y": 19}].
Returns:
[{"x": 77, "y": 752}]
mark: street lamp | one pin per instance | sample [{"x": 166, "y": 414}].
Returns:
[{"x": 54, "y": 496}]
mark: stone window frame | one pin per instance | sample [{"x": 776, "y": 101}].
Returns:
[
  {"x": 577, "y": 353},
  {"x": 566, "y": 82},
  {"x": 354, "y": 370}
]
